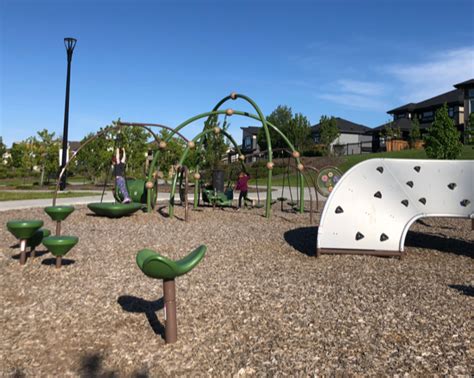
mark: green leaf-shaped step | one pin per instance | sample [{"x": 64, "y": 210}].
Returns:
[{"x": 155, "y": 265}]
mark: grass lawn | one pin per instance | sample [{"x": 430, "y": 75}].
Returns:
[
  {"x": 15, "y": 196},
  {"x": 466, "y": 154}
]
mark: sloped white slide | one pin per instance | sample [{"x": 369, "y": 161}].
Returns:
[{"x": 374, "y": 204}]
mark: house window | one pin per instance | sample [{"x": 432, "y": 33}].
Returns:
[
  {"x": 451, "y": 112},
  {"x": 427, "y": 116},
  {"x": 470, "y": 93},
  {"x": 316, "y": 138},
  {"x": 248, "y": 142}
]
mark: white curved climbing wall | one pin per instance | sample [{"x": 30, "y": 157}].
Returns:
[{"x": 374, "y": 204}]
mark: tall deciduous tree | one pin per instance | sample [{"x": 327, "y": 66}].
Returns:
[
  {"x": 47, "y": 151},
  {"x": 328, "y": 132},
  {"x": 214, "y": 144},
  {"x": 443, "y": 139},
  {"x": 295, "y": 127},
  {"x": 3, "y": 148}
]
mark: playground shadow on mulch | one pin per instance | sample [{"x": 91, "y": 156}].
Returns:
[
  {"x": 149, "y": 308},
  {"x": 52, "y": 261},
  {"x": 28, "y": 254},
  {"x": 303, "y": 239},
  {"x": 464, "y": 289},
  {"x": 92, "y": 366},
  {"x": 439, "y": 243}
]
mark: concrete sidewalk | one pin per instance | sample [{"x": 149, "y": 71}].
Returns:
[{"x": 162, "y": 197}]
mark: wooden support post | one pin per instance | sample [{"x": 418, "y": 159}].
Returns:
[
  {"x": 58, "y": 228},
  {"x": 171, "y": 327}
]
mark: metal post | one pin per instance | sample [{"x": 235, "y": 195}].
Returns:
[
  {"x": 70, "y": 43},
  {"x": 58, "y": 261},
  {"x": 22, "y": 251},
  {"x": 58, "y": 228},
  {"x": 171, "y": 327}
]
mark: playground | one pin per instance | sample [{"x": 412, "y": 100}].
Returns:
[
  {"x": 184, "y": 284},
  {"x": 258, "y": 303}
]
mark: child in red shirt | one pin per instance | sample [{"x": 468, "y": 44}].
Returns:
[{"x": 242, "y": 185}]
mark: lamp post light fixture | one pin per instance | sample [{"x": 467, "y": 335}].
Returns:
[{"x": 69, "y": 43}]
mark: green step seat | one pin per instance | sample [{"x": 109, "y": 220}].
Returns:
[
  {"x": 292, "y": 203},
  {"x": 38, "y": 237},
  {"x": 259, "y": 205},
  {"x": 24, "y": 229},
  {"x": 58, "y": 213},
  {"x": 157, "y": 266},
  {"x": 60, "y": 245},
  {"x": 113, "y": 209},
  {"x": 281, "y": 199}
]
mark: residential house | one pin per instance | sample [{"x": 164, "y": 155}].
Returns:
[
  {"x": 460, "y": 102},
  {"x": 249, "y": 141},
  {"x": 353, "y": 138}
]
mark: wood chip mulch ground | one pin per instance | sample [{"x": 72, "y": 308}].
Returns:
[{"x": 259, "y": 303}]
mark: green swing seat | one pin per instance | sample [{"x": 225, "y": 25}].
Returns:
[
  {"x": 157, "y": 266},
  {"x": 113, "y": 209}
]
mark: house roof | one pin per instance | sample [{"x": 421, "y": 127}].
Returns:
[
  {"x": 404, "y": 124},
  {"x": 251, "y": 129},
  {"x": 73, "y": 145},
  {"x": 346, "y": 127},
  {"x": 467, "y": 83},
  {"x": 456, "y": 96}
]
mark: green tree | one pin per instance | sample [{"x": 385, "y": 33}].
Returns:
[
  {"x": 328, "y": 132},
  {"x": 3, "y": 148},
  {"x": 295, "y": 127},
  {"x": 174, "y": 150},
  {"x": 94, "y": 160},
  {"x": 469, "y": 130},
  {"x": 281, "y": 117},
  {"x": 47, "y": 151},
  {"x": 415, "y": 133},
  {"x": 214, "y": 144},
  {"x": 442, "y": 140}
]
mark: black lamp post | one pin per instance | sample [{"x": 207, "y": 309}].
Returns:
[{"x": 70, "y": 43}]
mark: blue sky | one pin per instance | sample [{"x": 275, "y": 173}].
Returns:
[{"x": 165, "y": 61}]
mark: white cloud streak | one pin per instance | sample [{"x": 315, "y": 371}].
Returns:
[{"x": 438, "y": 74}]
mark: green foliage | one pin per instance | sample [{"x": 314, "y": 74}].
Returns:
[
  {"x": 442, "y": 140},
  {"x": 328, "y": 132},
  {"x": 415, "y": 133},
  {"x": 214, "y": 146},
  {"x": 174, "y": 149},
  {"x": 295, "y": 127},
  {"x": 3, "y": 148},
  {"x": 469, "y": 130},
  {"x": 47, "y": 151},
  {"x": 95, "y": 159}
]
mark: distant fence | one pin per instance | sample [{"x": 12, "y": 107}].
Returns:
[{"x": 352, "y": 148}]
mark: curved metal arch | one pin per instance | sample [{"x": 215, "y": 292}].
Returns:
[
  {"x": 185, "y": 154},
  {"x": 241, "y": 113},
  {"x": 119, "y": 126}
]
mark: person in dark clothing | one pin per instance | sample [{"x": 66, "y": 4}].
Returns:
[
  {"x": 118, "y": 162},
  {"x": 242, "y": 185}
]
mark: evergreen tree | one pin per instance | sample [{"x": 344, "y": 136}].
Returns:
[
  {"x": 442, "y": 140},
  {"x": 415, "y": 133}
]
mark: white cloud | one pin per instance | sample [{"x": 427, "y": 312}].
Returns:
[
  {"x": 355, "y": 101},
  {"x": 364, "y": 88},
  {"x": 438, "y": 74}
]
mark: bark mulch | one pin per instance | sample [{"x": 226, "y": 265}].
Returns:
[{"x": 259, "y": 303}]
